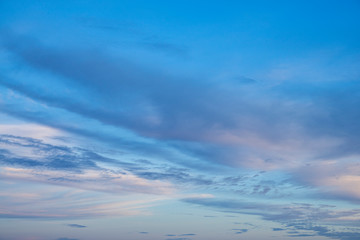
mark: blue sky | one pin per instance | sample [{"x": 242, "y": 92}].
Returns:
[{"x": 179, "y": 120}]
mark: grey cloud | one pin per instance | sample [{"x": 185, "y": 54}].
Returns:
[
  {"x": 181, "y": 235},
  {"x": 240, "y": 231},
  {"x": 278, "y": 229},
  {"x": 178, "y": 239},
  {"x": 73, "y": 225},
  {"x": 65, "y": 238},
  {"x": 351, "y": 234}
]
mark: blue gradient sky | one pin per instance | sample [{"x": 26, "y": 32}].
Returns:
[{"x": 179, "y": 120}]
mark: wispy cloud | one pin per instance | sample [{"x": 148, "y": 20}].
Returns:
[
  {"x": 236, "y": 134},
  {"x": 38, "y": 201},
  {"x": 236, "y": 116},
  {"x": 334, "y": 178},
  {"x": 301, "y": 217},
  {"x": 75, "y": 166}
]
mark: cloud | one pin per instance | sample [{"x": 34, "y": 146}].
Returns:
[
  {"x": 76, "y": 225},
  {"x": 175, "y": 175},
  {"x": 65, "y": 238},
  {"x": 128, "y": 143},
  {"x": 321, "y": 231},
  {"x": 30, "y": 130},
  {"x": 76, "y": 167},
  {"x": 147, "y": 101},
  {"x": 41, "y": 201},
  {"x": 159, "y": 112},
  {"x": 335, "y": 179},
  {"x": 148, "y": 129},
  {"x": 240, "y": 231},
  {"x": 278, "y": 229},
  {"x": 52, "y": 156},
  {"x": 298, "y": 216},
  {"x": 103, "y": 181},
  {"x": 180, "y": 235},
  {"x": 178, "y": 239},
  {"x": 261, "y": 184},
  {"x": 211, "y": 125},
  {"x": 159, "y": 119},
  {"x": 215, "y": 131}
]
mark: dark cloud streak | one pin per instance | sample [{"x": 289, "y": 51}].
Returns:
[{"x": 76, "y": 225}]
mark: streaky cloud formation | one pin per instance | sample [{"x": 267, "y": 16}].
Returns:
[
  {"x": 177, "y": 120},
  {"x": 299, "y": 217},
  {"x": 60, "y": 165},
  {"x": 213, "y": 123},
  {"x": 74, "y": 225}
]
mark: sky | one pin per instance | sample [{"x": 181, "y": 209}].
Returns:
[{"x": 179, "y": 120}]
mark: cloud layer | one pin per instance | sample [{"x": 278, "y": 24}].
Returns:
[{"x": 159, "y": 121}]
